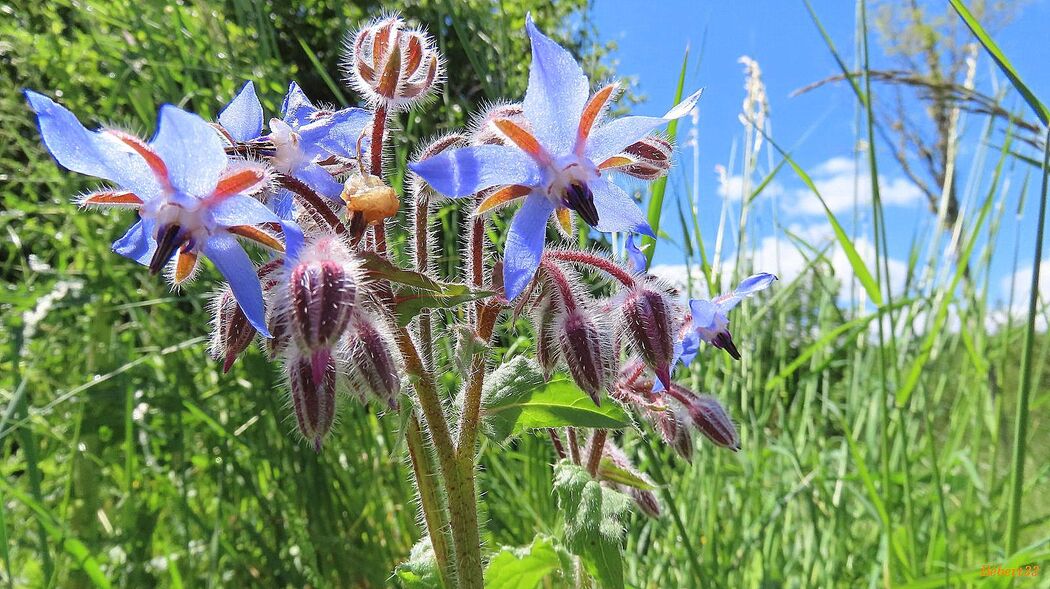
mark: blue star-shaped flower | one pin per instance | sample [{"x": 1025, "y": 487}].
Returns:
[
  {"x": 710, "y": 321},
  {"x": 190, "y": 197},
  {"x": 556, "y": 164},
  {"x": 303, "y": 137}
]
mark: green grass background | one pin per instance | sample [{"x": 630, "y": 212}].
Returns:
[{"x": 129, "y": 460}]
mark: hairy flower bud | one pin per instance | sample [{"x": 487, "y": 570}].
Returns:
[
  {"x": 312, "y": 377},
  {"x": 587, "y": 349},
  {"x": 322, "y": 294},
  {"x": 647, "y": 318},
  {"x": 646, "y": 502},
  {"x": 371, "y": 367},
  {"x": 543, "y": 316},
  {"x": 673, "y": 426},
  {"x": 713, "y": 421},
  {"x": 650, "y": 158},
  {"x": 391, "y": 64},
  {"x": 231, "y": 331}
]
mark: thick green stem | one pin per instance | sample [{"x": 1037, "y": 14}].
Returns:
[
  {"x": 458, "y": 473},
  {"x": 430, "y": 500}
]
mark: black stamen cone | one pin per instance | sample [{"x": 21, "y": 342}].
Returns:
[
  {"x": 580, "y": 199},
  {"x": 725, "y": 341},
  {"x": 168, "y": 241}
]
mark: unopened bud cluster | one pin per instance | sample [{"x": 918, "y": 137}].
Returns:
[{"x": 392, "y": 65}]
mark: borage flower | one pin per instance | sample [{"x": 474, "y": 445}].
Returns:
[
  {"x": 190, "y": 197},
  {"x": 556, "y": 163},
  {"x": 300, "y": 143},
  {"x": 710, "y": 319}
]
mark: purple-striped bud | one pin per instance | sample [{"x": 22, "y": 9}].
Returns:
[
  {"x": 278, "y": 326},
  {"x": 647, "y": 317},
  {"x": 587, "y": 349},
  {"x": 371, "y": 367},
  {"x": 231, "y": 331},
  {"x": 650, "y": 158},
  {"x": 713, "y": 421},
  {"x": 312, "y": 376},
  {"x": 673, "y": 426},
  {"x": 322, "y": 294},
  {"x": 646, "y": 502},
  {"x": 543, "y": 316}
]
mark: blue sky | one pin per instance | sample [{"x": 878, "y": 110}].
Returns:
[{"x": 818, "y": 127}]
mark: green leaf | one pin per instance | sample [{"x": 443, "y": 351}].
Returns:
[
  {"x": 78, "y": 551},
  {"x": 411, "y": 301},
  {"x": 379, "y": 268},
  {"x": 593, "y": 528},
  {"x": 516, "y": 399},
  {"x": 607, "y": 471},
  {"x": 860, "y": 269},
  {"x": 526, "y": 567},
  {"x": 420, "y": 571},
  {"x": 1001, "y": 61}
]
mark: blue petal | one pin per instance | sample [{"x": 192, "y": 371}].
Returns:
[
  {"x": 468, "y": 170},
  {"x": 297, "y": 109},
  {"x": 138, "y": 243},
  {"x": 88, "y": 152},
  {"x": 281, "y": 203},
  {"x": 320, "y": 181},
  {"x": 243, "y": 116},
  {"x": 336, "y": 134},
  {"x": 617, "y": 211},
  {"x": 557, "y": 92},
  {"x": 638, "y": 261},
  {"x": 293, "y": 241},
  {"x": 746, "y": 288},
  {"x": 614, "y": 136},
  {"x": 191, "y": 149},
  {"x": 228, "y": 256},
  {"x": 528, "y": 231},
  {"x": 704, "y": 313},
  {"x": 689, "y": 345},
  {"x": 242, "y": 210}
]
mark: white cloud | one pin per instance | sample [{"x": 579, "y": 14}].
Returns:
[
  {"x": 842, "y": 184},
  {"x": 1019, "y": 284},
  {"x": 782, "y": 257},
  {"x": 732, "y": 187}
]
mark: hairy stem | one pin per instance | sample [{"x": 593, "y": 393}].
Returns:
[
  {"x": 574, "y": 446},
  {"x": 375, "y": 166},
  {"x": 597, "y": 262},
  {"x": 430, "y": 500},
  {"x": 597, "y": 446}
]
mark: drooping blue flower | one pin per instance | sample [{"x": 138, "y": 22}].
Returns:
[
  {"x": 556, "y": 164},
  {"x": 302, "y": 139},
  {"x": 190, "y": 197},
  {"x": 709, "y": 321},
  {"x": 635, "y": 257}
]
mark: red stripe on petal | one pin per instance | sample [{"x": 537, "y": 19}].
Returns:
[
  {"x": 185, "y": 264},
  {"x": 112, "y": 198},
  {"x": 523, "y": 139},
  {"x": 153, "y": 159},
  {"x": 594, "y": 108},
  {"x": 501, "y": 196},
  {"x": 258, "y": 236},
  {"x": 240, "y": 180}
]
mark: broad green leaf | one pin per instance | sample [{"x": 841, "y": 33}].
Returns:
[
  {"x": 607, "y": 471},
  {"x": 380, "y": 268},
  {"x": 525, "y": 567},
  {"x": 420, "y": 571},
  {"x": 410, "y": 301},
  {"x": 516, "y": 399},
  {"x": 593, "y": 528}
]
